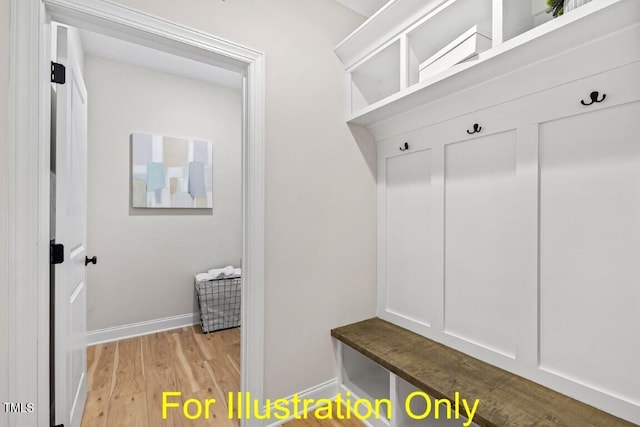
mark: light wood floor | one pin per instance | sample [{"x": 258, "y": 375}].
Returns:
[{"x": 126, "y": 380}]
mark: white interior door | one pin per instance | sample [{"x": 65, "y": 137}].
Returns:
[{"x": 71, "y": 231}]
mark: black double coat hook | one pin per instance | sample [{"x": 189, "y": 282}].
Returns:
[{"x": 594, "y": 98}]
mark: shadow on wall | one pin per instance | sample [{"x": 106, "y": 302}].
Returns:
[{"x": 367, "y": 146}]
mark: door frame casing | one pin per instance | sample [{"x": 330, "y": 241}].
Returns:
[{"x": 28, "y": 179}]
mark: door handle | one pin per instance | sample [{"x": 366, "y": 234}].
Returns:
[{"x": 88, "y": 260}]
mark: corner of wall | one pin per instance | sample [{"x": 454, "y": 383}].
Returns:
[{"x": 367, "y": 145}]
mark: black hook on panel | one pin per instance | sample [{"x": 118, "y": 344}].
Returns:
[
  {"x": 406, "y": 147},
  {"x": 476, "y": 128},
  {"x": 594, "y": 98}
]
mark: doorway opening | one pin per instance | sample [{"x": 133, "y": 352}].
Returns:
[
  {"x": 29, "y": 140},
  {"x": 143, "y": 108}
]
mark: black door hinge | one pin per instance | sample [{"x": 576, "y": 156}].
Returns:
[
  {"x": 56, "y": 253},
  {"x": 58, "y": 73}
]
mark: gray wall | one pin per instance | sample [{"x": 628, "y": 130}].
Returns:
[
  {"x": 147, "y": 257},
  {"x": 4, "y": 136}
]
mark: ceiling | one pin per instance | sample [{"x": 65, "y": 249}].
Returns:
[
  {"x": 134, "y": 54},
  {"x": 363, "y": 7}
]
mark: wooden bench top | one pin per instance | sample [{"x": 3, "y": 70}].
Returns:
[{"x": 506, "y": 399}]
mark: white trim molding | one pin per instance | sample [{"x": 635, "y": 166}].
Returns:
[
  {"x": 326, "y": 390},
  {"x": 28, "y": 253},
  {"x": 130, "y": 330},
  {"x": 29, "y": 106}
]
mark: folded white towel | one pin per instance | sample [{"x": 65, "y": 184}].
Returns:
[
  {"x": 215, "y": 273},
  {"x": 221, "y": 273},
  {"x": 203, "y": 277},
  {"x": 237, "y": 272}
]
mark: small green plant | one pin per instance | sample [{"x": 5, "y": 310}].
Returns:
[{"x": 556, "y": 7}]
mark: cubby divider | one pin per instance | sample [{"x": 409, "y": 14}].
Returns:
[{"x": 387, "y": 69}]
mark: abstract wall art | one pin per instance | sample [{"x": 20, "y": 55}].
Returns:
[{"x": 169, "y": 172}]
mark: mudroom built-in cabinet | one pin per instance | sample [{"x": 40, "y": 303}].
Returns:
[
  {"x": 509, "y": 188},
  {"x": 471, "y": 209}
]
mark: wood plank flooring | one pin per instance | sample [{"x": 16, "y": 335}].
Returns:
[{"x": 126, "y": 380}]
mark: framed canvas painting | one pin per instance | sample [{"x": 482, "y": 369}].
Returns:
[{"x": 168, "y": 172}]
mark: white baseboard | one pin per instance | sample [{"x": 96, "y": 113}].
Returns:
[
  {"x": 326, "y": 390},
  {"x": 355, "y": 395},
  {"x": 116, "y": 333}
]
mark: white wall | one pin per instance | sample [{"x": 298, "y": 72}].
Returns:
[
  {"x": 320, "y": 193},
  {"x": 147, "y": 257},
  {"x": 4, "y": 232}
]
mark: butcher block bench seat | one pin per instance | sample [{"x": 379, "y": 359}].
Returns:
[{"x": 506, "y": 399}]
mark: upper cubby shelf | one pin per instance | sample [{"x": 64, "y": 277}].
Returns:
[
  {"x": 377, "y": 78},
  {"x": 412, "y": 52}
]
